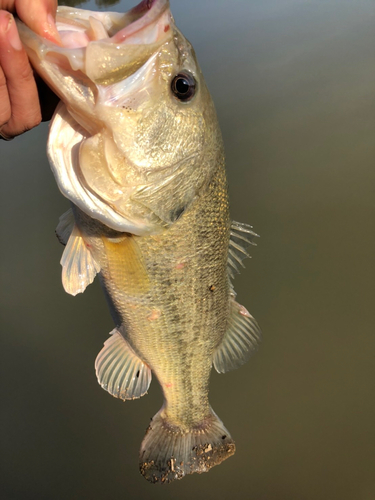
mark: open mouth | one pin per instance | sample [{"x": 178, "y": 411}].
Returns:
[
  {"x": 105, "y": 46},
  {"x": 144, "y": 24}
]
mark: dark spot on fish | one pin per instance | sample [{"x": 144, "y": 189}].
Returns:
[
  {"x": 149, "y": 4},
  {"x": 137, "y": 373},
  {"x": 211, "y": 288},
  {"x": 223, "y": 437},
  {"x": 176, "y": 214},
  {"x": 166, "y": 28}
]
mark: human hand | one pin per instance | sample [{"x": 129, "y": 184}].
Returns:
[{"x": 21, "y": 108}]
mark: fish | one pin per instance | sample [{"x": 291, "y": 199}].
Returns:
[{"x": 136, "y": 147}]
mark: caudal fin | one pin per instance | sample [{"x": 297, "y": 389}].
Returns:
[{"x": 168, "y": 452}]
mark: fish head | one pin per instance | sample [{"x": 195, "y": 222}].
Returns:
[{"x": 136, "y": 137}]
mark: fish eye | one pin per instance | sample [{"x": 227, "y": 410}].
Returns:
[{"x": 184, "y": 86}]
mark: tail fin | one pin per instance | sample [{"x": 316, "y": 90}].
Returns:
[{"x": 168, "y": 452}]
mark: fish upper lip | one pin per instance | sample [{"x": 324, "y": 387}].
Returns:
[{"x": 150, "y": 11}]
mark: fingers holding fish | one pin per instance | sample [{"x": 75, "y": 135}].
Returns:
[
  {"x": 20, "y": 107},
  {"x": 5, "y": 112},
  {"x": 19, "y": 102},
  {"x": 38, "y": 15}
]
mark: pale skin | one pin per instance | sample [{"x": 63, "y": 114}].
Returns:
[{"x": 21, "y": 106}]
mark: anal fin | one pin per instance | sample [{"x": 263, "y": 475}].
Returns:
[
  {"x": 120, "y": 371},
  {"x": 241, "y": 339}
]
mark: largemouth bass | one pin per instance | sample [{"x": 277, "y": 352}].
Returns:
[{"x": 136, "y": 147}]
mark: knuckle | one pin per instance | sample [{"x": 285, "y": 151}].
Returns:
[
  {"x": 3, "y": 81},
  {"x": 5, "y": 115},
  {"x": 5, "y": 111},
  {"x": 4, "y": 135},
  {"x": 26, "y": 73},
  {"x": 32, "y": 121},
  {"x": 17, "y": 125}
]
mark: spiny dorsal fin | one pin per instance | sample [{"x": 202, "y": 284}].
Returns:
[
  {"x": 241, "y": 237},
  {"x": 65, "y": 226},
  {"x": 78, "y": 265},
  {"x": 120, "y": 371},
  {"x": 241, "y": 339}
]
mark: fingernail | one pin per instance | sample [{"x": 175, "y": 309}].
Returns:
[
  {"x": 12, "y": 33},
  {"x": 5, "y": 20},
  {"x": 50, "y": 30}
]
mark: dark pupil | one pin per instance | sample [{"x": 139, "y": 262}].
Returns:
[{"x": 182, "y": 86}]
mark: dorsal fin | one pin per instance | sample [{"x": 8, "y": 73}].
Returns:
[
  {"x": 241, "y": 237},
  {"x": 241, "y": 339},
  {"x": 79, "y": 268},
  {"x": 120, "y": 371},
  {"x": 65, "y": 226}
]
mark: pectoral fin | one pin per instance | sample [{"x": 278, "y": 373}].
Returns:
[
  {"x": 119, "y": 369},
  {"x": 241, "y": 339},
  {"x": 79, "y": 268}
]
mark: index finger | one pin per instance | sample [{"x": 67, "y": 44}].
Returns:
[{"x": 39, "y": 15}]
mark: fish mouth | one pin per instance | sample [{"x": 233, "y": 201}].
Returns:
[
  {"x": 90, "y": 39},
  {"x": 143, "y": 24},
  {"x": 97, "y": 50}
]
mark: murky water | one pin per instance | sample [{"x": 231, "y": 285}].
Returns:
[{"x": 293, "y": 82}]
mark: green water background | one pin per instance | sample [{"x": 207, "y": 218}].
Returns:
[{"x": 293, "y": 82}]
